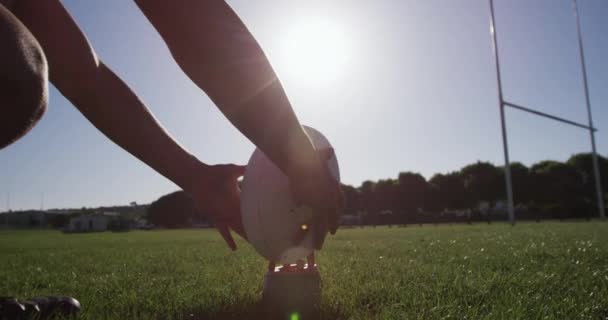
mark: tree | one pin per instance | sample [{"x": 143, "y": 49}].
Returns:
[
  {"x": 450, "y": 192},
  {"x": 386, "y": 194},
  {"x": 351, "y": 197},
  {"x": 413, "y": 194},
  {"x": 368, "y": 201},
  {"x": 583, "y": 162},
  {"x": 482, "y": 181},
  {"x": 521, "y": 181},
  {"x": 173, "y": 210},
  {"x": 560, "y": 186}
]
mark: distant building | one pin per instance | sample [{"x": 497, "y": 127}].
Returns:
[
  {"x": 89, "y": 223},
  {"x": 111, "y": 213}
]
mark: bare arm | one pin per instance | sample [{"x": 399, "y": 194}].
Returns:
[
  {"x": 217, "y": 51},
  {"x": 102, "y": 97},
  {"x": 111, "y": 106},
  {"x": 219, "y": 54}
]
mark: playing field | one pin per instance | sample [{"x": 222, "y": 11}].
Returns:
[{"x": 530, "y": 271}]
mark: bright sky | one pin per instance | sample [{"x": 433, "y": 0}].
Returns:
[{"x": 409, "y": 85}]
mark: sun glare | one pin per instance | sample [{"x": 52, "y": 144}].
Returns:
[{"x": 313, "y": 51}]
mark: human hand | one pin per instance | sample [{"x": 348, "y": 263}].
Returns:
[
  {"x": 317, "y": 188},
  {"x": 215, "y": 192}
]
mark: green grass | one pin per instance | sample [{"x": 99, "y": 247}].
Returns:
[{"x": 530, "y": 271}]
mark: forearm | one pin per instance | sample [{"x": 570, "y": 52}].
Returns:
[
  {"x": 225, "y": 61},
  {"x": 112, "y": 107},
  {"x": 99, "y": 94},
  {"x": 265, "y": 117},
  {"x": 247, "y": 91}
]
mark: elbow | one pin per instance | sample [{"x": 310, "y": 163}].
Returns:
[{"x": 23, "y": 86}]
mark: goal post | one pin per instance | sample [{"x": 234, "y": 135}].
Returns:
[{"x": 502, "y": 104}]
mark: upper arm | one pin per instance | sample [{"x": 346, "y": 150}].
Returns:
[{"x": 70, "y": 57}]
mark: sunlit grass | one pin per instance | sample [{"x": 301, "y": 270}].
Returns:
[{"x": 530, "y": 271}]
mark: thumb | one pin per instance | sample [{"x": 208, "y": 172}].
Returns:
[
  {"x": 225, "y": 232},
  {"x": 326, "y": 153},
  {"x": 237, "y": 226}
]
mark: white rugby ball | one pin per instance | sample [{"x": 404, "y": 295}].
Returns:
[{"x": 270, "y": 216}]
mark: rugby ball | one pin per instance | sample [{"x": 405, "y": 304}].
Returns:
[{"x": 270, "y": 216}]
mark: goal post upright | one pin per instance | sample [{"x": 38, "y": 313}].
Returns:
[
  {"x": 501, "y": 105},
  {"x": 596, "y": 169}
]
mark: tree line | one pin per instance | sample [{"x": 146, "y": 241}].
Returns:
[{"x": 545, "y": 190}]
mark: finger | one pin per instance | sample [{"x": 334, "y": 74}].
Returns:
[
  {"x": 301, "y": 233},
  {"x": 334, "y": 220},
  {"x": 326, "y": 153},
  {"x": 271, "y": 266},
  {"x": 333, "y": 226},
  {"x": 319, "y": 229},
  {"x": 225, "y": 232},
  {"x": 236, "y": 219},
  {"x": 237, "y": 226},
  {"x": 237, "y": 170}
]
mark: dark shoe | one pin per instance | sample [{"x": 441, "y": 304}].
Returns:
[
  {"x": 11, "y": 309},
  {"x": 32, "y": 311},
  {"x": 51, "y": 306}
]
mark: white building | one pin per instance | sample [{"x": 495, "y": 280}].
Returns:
[{"x": 89, "y": 223}]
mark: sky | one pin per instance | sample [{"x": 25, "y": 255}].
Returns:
[{"x": 408, "y": 86}]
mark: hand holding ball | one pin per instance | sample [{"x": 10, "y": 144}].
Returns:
[{"x": 271, "y": 218}]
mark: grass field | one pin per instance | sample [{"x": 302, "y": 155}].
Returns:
[{"x": 530, "y": 271}]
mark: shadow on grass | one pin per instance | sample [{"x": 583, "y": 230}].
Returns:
[{"x": 251, "y": 311}]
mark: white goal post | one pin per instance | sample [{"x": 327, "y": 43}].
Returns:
[{"x": 502, "y": 103}]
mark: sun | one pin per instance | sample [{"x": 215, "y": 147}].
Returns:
[{"x": 314, "y": 51}]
